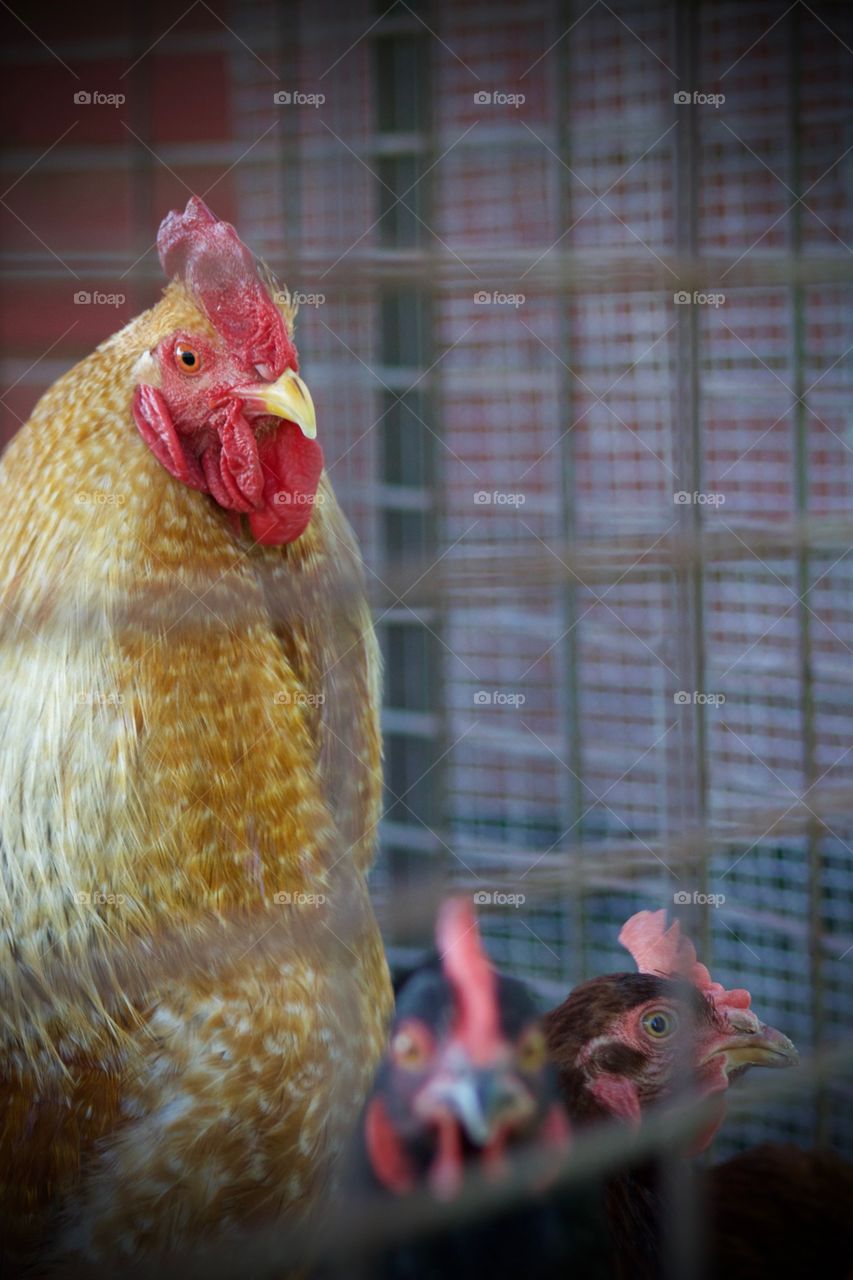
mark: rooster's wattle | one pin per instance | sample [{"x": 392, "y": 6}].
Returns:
[{"x": 192, "y": 984}]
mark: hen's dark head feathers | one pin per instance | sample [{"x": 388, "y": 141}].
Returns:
[
  {"x": 628, "y": 1041},
  {"x": 466, "y": 1077}
]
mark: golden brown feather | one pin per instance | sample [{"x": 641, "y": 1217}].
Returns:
[{"x": 190, "y": 729}]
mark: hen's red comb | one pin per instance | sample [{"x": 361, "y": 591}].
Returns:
[
  {"x": 470, "y": 973},
  {"x": 657, "y": 949},
  {"x": 217, "y": 268}
]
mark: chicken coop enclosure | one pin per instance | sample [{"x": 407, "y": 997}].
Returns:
[{"x": 574, "y": 285}]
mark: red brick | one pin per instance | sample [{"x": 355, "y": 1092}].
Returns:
[
  {"x": 82, "y": 211},
  {"x": 190, "y": 98},
  {"x": 38, "y": 104}
]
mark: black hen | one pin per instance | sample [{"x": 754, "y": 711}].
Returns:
[{"x": 466, "y": 1084}]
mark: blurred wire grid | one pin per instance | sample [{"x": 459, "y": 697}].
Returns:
[
  {"x": 541, "y": 721},
  {"x": 531, "y": 713}
]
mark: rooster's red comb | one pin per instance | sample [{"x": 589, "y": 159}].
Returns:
[
  {"x": 657, "y": 949},
  {"x": 217, "y": 268},
  {"x": 469, "y": 972}
]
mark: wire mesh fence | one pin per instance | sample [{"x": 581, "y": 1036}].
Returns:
[{"x": 598, "y": 312}]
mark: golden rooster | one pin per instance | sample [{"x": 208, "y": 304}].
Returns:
[{"x": 193, "y": 989}]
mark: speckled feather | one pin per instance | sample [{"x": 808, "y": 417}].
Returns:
[{"x": 189, "y": 724}]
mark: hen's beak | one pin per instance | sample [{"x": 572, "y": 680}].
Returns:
[
  {"x": 287, "y": 398},
  {"x": 766, "y": 1047},
  {"x": 482, "y": 1101}
]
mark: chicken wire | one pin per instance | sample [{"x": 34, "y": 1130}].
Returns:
[
  {"x": 545, "y": 712},
  {"x": 536, "y": 639},
  {"x": 535, "y": 723}
]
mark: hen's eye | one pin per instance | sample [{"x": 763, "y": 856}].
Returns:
[
  {"x": 412, "y": 1046},
  {"x": 659, "y": 1023},
  {"x": 532, "y": 1050},
  {"x": 187, "y": 358}
]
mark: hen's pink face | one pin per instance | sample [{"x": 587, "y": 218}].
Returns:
[
  {"x": 709, "y": 1048},
  {"x": 657, "y": 1046},
  {"x": 230, "y": 416}
]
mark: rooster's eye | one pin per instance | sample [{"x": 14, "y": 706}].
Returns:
[
  {"x": 532, "y": 1050},
  {"x": 187, "y": 358},
  {"x": 659, "y": 1023},
  {"x": 411, "y": 1046}
]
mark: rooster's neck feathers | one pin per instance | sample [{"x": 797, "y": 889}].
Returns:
[{"x": 201, "y": 699}]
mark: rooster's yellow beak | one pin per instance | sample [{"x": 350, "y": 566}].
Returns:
[{"x": 287, "y": 398}]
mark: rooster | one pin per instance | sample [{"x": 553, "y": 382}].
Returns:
[
  {"x": 465, "y": 1087},
  {"x": 189, "y": 783},
  {"x": 627, "y": 1042}
]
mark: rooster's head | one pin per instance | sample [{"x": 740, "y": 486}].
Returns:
[
  {"x": 466, "y": 1078},
  {"x": 220, "y": 403}
]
